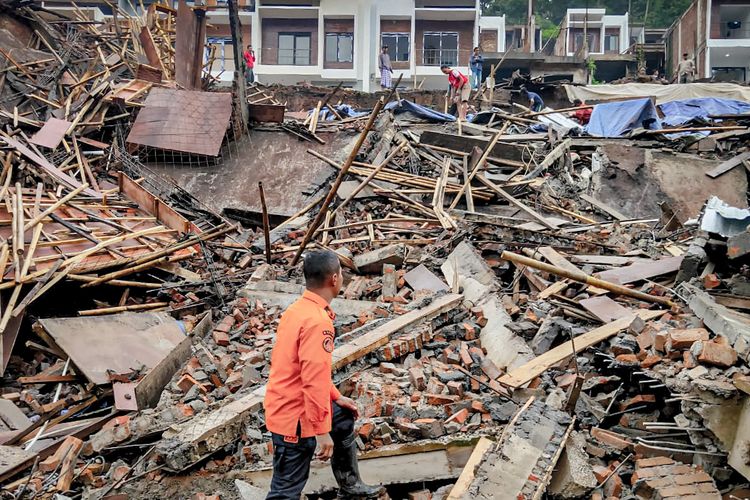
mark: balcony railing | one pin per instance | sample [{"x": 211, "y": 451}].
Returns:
[
  {"x": 438, "y": 57},
  {"x": 286, "y": 57}
]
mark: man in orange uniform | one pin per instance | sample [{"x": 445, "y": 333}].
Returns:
[{"x": 303, "y": 407}]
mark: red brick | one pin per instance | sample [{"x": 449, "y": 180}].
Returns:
[
  {"x": 711, "y": 281},
  {"x": 416, "y": 375},
  {"x": 638, "y": 400},
  {"x": 645, "y": 339},
  {"x": 456, "y": 388},
  {"x": 677, "y": 491},
  {"x": 186, "y": 382},
  {"x": 717, "y": 355},
  {"x": 459, "y": 417},
  {"x": 440, "y": 399},
  {"x": 628, "y": 359},
  {"x": 684, "y": 339},
  {"x": 470, "y": 332},
  {"x": 601, "y": 473},
  {"x": 420, "y": 495},
  {"x": 651, "y": 360},
  {"x": 660, "y": 341},
  {"x": 120, "y": 472},
  {"x": 696, "y": 477},
  {"x": 653, "y": 462},
  {"x": 477, "y": 406},
  {"x": 610, "y": 438},
  {"x": 365, "y": 430},
  {"x": 221, "y": 338}
]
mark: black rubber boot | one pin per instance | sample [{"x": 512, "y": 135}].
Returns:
[{"x": 346, "y": 472}]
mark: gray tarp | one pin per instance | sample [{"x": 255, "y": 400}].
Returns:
[{"x": 662, "y": 93}]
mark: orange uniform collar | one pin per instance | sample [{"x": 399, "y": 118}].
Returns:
[{"x": 320, "y": 301}]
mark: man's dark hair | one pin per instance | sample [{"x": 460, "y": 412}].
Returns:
[
  {"x": 385, "y": 47},
  {"x": 685, "y": 54},
  {"x": 318, "y": 266},
  {"x": 444, "y": 66},
  {"x": 577, "y": 102}
]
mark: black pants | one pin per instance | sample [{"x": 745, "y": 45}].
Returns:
[{"x": 291, "y": 461}]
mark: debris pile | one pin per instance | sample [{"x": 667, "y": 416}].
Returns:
[{"x": 531, "y": 308}]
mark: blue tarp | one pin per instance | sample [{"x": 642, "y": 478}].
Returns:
[
  {"x": 685, "y": 110},
  {"x": 616, "y": 119}
]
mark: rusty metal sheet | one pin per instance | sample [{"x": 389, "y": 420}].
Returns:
[
  {"x": 183, "y": 120},
  {"x": 605, "y": 309},
  {"x": 119, "y": 343},
  {"x": 641, "y": 271},
  {"x": 51, "y": 134},
  {"x": 421, "y": 278},
  {"x": 190, "y": 39},
  {"x": 267, "y": 112},
  {"x": 124, "y": 394}
]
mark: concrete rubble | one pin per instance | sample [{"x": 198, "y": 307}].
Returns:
[{"x": 530, "y": 311}]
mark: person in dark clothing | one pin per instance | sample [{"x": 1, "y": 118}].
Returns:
[
  {"x": 477, "y": 65},
  {"x": 535, "y": 100}
]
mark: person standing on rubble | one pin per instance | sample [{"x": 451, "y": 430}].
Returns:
[
  {"x": 386, "y": 70},
  {"x": 477, "y": 66},
  {"x": 249, "y": 56},
  {"x": 535, "y": 100},
  {"x": 303, "y": 407},
  {"x": 460, "y": 89},
  {"x": 685, "y": 69}
]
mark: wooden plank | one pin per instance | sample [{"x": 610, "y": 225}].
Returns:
[
  {"x": 267, "y": 112},
  {"x": 467, "y": 475},
  {"x": 605, "y": 308},
  {"x": 641, "y": 270},
  {"x": 12, "y": 460},
  {"x": 67, "y": 470},
  {"x": 554, "y": 258},
  {"x": 148, "y": 390},
  {"x": 604, "y": 207},
  {"x": 466, "y": 144},
  {"x": 728, "y": 165},
  {"x": 378, "y": 337},
  {"x": 47, "y": 379},
  {"x": 529, "y": 371},
  {"x": 533, "y": 213}
]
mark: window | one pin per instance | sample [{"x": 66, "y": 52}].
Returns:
[
  {"x": 440, "y": 48},
  {"x": 339, "y": 47},
  {"x": 612, "y": 43},
  {"x": 729, "y": 74},
  {"x": 222, "y": 52},
  {"x": 579, "y": 42},
  {"x": 294, "y": 49},
  {"x": 398, "y": 46}
]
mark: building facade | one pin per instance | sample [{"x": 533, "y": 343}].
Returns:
[
  {"x": 327, "y": 41},
  {"x": 606, "y": 34},
  {"x": 716, "y": 34}
]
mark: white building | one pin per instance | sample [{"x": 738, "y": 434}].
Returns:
[
  {"x": 326, "y": 41},
  {"x": 607, "y": 34}
]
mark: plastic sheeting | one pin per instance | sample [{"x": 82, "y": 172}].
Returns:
[
  {"x": 685, "y": 110},
  {"x": 662, "y": 93},
  {"x": 422, "y": 112},
  {"x": 724, "y": 219},
  {"x": 616, "y": 119}
]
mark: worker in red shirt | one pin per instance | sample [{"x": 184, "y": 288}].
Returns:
[
  {"x": 460, "y": 89},
  {"x": 583, "y": 115},
  {"x": 249, "y": 56},
  {"x": 303, "y": 407}
]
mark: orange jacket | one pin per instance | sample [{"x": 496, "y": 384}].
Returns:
[{"x": 299, "y": 388}]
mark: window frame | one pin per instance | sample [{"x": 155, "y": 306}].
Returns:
[
  {"x": 296, "y": 35},
  {"x": 339, "y": 36},
  {"x": 441, "y": 59},
  {"x": 396, "y": 35}
]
